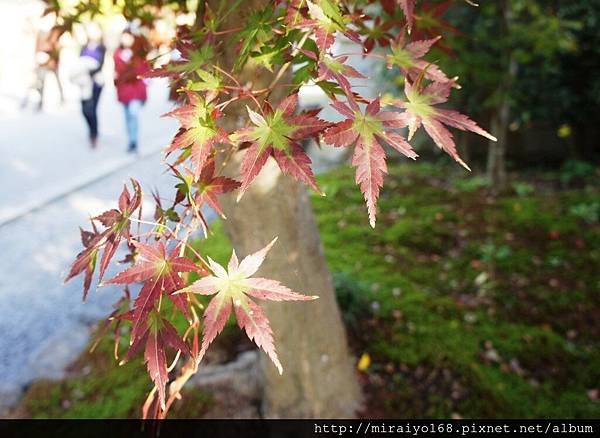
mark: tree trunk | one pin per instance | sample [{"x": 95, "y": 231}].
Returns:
[
  {"x": 462, "y": 146},
  {"x": 496, "y": 164},
  {"x": 319, "y": 378}
]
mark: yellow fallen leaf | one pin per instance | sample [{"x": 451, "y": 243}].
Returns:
[{"x": 364, "y": 362}]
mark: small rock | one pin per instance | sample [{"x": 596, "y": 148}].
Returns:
[
  {"x": 242, "y": 375},
  {"x": 481, "y": 278},
  {"x": 470, "y": 318},
  {"x": 491, "y": 355},
  {"x": 515, "y": 366}
]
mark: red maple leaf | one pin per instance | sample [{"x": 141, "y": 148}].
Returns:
[
  {"x": 86, "y": 259},
  {"x": 117, "y": 224},
  {"x": 276, "y": 134},
  {"x": 408, "y": 57},
  {"x": 295, "y": 12},
  {"x": 233, "y": 288},
  {"x": 420, "y": 110},
  {"x": 199, "y": 130},
  {"x": 209, "y": 186},
  {"x": 158, "y": 335},
  {"x": 366, "y": 130},
  {"x": 334, "y": 68},
  {"x": 185, "y": 191},
  {"x": 159, "y": 273},
  {"x": 325, "y": 19},
  {"x": 429, "y": 23},
  {"x": 408, "y": 7},
  {"x": 378, "y": 33}
]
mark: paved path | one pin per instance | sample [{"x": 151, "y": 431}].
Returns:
[
  {"x": 51, "y": 183},
  {"x": 47, "y": 154}
]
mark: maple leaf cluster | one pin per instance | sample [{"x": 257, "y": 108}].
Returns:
[
  {"x": 160, "y": 273},
  {"x": 292, "y": 40}
]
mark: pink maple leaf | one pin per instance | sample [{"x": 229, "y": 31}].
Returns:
[
  {"x": 366, "y": 130},
  {"x": 233, "y": 288},
  {"x": 420, "y": 110}
]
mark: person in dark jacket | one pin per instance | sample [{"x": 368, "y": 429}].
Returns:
[
  {"x": 130, "y": 65},
  {"x": 89, "y": 77}
]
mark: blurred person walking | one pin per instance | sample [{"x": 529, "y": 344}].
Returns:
[
  {"x": 47, "y": 58},
  {"x": 88, "y": 75},
  {"x": 130, "y": 64}
]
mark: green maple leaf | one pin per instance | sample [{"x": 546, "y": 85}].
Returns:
[
  {"x": 196, "y": 61},
  {"x": 207, "y": 82},
  {"x": 257, "y": 32}
]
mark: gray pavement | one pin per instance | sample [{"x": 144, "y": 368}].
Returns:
[
  {"x": 51, "y": 183},
  {"x": 47, "y": 154}
]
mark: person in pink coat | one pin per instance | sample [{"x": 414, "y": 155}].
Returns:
[{"x": 130, "y": 65}]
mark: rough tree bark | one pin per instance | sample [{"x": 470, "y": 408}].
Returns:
[
  {"x": 462, "y": 146},
  {"x": 319, "y": 378},
  {"x": 496, "y": 162},
  {"x": 500, "y": 120}
]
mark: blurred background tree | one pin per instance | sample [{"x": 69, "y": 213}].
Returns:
[
  {"x": 508, "y": 41},
  {"x": 529, "y": 67}
]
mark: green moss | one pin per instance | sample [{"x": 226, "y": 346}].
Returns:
[
  {"x": 475, "y": 288},
  {"x": 101, "y": 389}
]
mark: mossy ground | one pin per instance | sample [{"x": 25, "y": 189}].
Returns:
[{"x": 467, "y": 304}]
